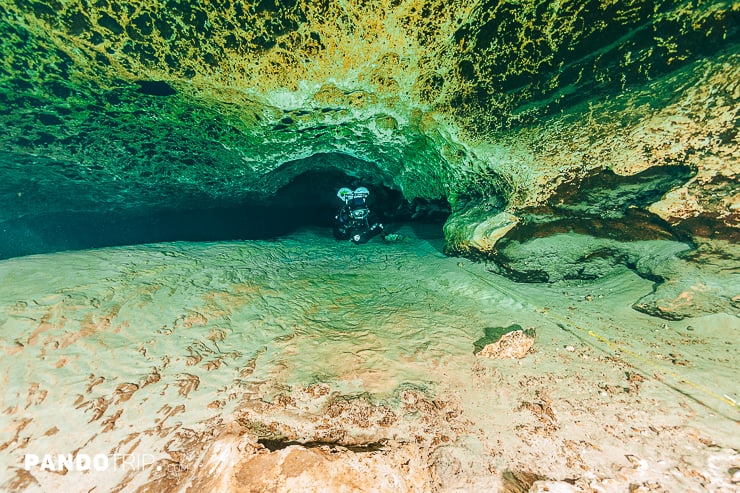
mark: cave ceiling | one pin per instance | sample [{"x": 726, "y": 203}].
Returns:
[{"x": 109, "y": 105}]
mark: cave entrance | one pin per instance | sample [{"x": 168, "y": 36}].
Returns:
[{"x": 306, "y": 200}]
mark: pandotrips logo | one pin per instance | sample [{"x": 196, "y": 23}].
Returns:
[{"x": 86, "y": 462}]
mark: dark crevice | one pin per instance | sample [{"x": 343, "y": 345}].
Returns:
[
  {"x": 606, "y": 193},
  {"x": 634, "y": 225},
  {"x": 275, "y": 444},
  {"x": 522, "y": 481},
  {"x": 155, "y": 88}
]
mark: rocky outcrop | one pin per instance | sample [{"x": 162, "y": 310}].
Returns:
[
  {"x": 696, "y": 283},
  {"x": 514, "y": 344},
  {"x": 239, "y": 466}
]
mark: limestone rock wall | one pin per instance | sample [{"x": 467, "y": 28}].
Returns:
[{"x": 493, "y": 105}]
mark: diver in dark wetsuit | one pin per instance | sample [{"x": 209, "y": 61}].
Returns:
[{"x": 355, "y": 221}]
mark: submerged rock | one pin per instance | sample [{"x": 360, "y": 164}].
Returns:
[
  {"x": 475, "y": 232},
  {"x": 323, "y": 468},
  {"x": 513, "y": 345},
  {"x": 695, "y": 283},
  {"x": 572, "y": 256}
]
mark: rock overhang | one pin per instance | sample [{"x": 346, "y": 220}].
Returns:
[{"x": 491, "y": 105}]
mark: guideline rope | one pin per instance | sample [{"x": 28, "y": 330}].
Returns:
[{"x": 616, "y": 349}]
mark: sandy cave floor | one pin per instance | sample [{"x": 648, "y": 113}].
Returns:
[{"x": 307, "y": 364}]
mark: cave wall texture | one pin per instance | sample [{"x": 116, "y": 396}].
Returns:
[{"x": 511, "y": 110}]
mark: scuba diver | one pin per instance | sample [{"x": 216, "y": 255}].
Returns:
[{"x": 355, "y": 221}]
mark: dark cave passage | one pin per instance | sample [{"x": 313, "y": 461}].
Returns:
[{"x": 308, "y": 200}]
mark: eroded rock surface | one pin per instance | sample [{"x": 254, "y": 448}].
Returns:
[
  {"x": 514, "y": 344},
  {"x": 695, "y": 283},
  {"x": 275, "y": 365}
]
